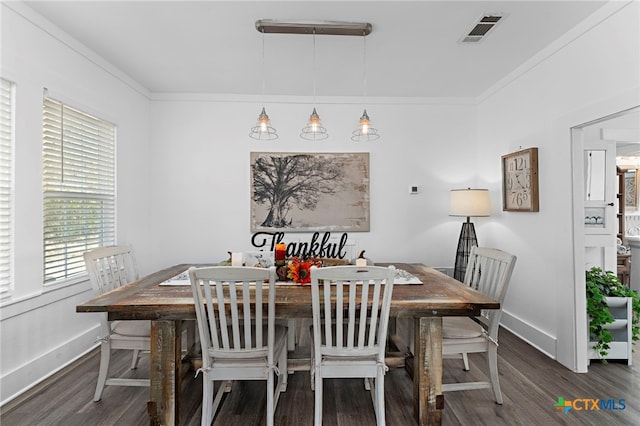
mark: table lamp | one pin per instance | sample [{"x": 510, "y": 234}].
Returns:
[{"x": 467, "y": 202}]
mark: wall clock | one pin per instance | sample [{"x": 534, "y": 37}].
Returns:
[{"x": 520, "y": 181}]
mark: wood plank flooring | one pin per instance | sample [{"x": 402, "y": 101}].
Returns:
[{"x": 531, "y": 384}]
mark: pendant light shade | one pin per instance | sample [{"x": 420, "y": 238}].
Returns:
[
  {"x": 364, "y": 132},
  {"x": 263, "y": 130},
  {"x": 314, "y": 130}
]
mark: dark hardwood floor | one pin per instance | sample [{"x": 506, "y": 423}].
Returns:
[{"x": 531, "y": 384}]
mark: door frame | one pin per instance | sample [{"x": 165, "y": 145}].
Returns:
[{"x": 572, "y": 341}]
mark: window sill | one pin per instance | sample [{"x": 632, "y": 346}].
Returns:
[
  {"x": 12, "y": 306},
  {"x": 56, "y": 285}
]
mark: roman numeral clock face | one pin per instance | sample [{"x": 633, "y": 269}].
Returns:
[{"x": 520, "y": 181}]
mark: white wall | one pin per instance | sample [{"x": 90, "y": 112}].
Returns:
[
  {"x": 536, "y": 109},
  {"x": 40, "y": 330},
  {"x": 201, "y": 177}
]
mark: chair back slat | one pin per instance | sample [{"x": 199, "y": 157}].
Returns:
[
  {"x": 111, "y": 267},
  {"x": 375, "y": 312},
  {"x": 489, "y": 272},
  {"x": 235, "y": 318},
  {"x": 231, "y": 300},
  {"x": 351, "y": 309}
]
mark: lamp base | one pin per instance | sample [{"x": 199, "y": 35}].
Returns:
[{"x": 465, "y": 242}]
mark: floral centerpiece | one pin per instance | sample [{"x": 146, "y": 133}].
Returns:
[{"x": 299, "y": 270}]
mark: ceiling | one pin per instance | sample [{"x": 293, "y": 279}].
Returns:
[{"x": 413, "y": 50}]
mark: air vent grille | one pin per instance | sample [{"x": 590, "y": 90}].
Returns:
[
  {"x": 493, "y": 19},
  {"x": 481, "y": 27}
]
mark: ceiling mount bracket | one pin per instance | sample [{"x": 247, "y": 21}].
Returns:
[{"x": 317, "y": 27}]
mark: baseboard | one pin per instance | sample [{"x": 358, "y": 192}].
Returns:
[
  {"x": 537, "y": 338},
  {"x": 21, "y": 379}
]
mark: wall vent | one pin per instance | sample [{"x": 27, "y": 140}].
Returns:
[{"x": 482, "y": 27}]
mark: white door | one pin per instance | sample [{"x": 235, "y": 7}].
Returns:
[
  {"x": 600, "y": 203},
  {"x": 595, "y": 207}
]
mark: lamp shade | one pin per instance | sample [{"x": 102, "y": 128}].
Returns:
[{"x": 469, "y": 202}]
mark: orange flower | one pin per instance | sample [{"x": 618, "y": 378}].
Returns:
[
  {"x": 300, "y": 270},
  {"x": 305, "y": 271},
  {"x": 294, "y": 268}
]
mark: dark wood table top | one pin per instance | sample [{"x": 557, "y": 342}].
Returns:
[{"x": 439, "y": 295}]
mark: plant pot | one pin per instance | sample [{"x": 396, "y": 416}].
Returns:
[{"x": 621, "y": 346}]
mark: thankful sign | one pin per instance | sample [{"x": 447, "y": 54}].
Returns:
[{"x": 317, "y": 247}]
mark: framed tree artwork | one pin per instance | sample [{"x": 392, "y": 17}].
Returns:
[{"x": 308, "y": 192}]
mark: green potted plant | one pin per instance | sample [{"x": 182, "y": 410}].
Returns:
[{"x": 602, "y": 289}]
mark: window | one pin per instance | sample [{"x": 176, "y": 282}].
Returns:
[
  {"x": 6, "y": 187},
  {"x": 79, "y": 188}
]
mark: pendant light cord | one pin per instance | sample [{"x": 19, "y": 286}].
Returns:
[
  {"x": 263, "y": 79},
  {"x": 364, "y": 66},
  {"x": 314, "y": 67}
]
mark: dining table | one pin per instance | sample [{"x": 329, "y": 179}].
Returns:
[{"x": 168, "y": 306}]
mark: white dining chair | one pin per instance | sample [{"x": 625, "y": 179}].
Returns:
[
  {"x": 350, "y": 320},
  {"x": 110, "y": 268},
  {"x": 488, "y": 271},
  {"x": 236, "y": 342}
]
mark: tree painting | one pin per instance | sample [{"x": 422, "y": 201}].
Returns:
[{"x": 304, "y": 192}]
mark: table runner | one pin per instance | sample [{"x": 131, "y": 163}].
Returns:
[{"x": 402, "y": 277}]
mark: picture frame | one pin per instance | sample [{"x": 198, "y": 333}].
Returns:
[
  {"x": 631, "y": 189},
  {"x": 520, "y": 181},
  {"x": 309, "y": 192},
  {"x": 261, "y": 259}
]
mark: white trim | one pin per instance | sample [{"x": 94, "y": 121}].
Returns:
[
  {"x": 320, "y": 100},
  {"x": 572, "y": 341},
  {"x": 579, "y": 304},
  {"x": 73, "y": 102},
  {"x": 592, "y": 21},
  {"x": 42, "y": 367},
  {"x": 539, "y": 339},
  {"x": 48, "y": 296},
  {"x": 58, "y": 34}
]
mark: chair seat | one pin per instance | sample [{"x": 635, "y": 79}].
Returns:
[
  {"x": 460, "y": 328},
  {"x": 131, "y": 328},
  {"x": 349, "y": 360}
]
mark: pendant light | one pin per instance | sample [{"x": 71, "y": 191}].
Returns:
[
  {"x": 314, "y": 129},
  {"x": 364, "y": 132},
  {"x": 263, "y": 130}
]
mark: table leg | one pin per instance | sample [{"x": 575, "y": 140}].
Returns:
[
  {"x": 428, "y": 400},
  {"x": 164, "y": 406}
]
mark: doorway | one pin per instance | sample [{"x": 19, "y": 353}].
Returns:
[{"x": 594, "y": 146}]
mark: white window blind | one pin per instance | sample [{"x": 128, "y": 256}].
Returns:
[
  {"x": 6, "y": 188},
  {"x": 79, "y": 188}
]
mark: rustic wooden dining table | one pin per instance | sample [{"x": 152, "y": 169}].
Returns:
[{"x": 168, "y": 306}]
